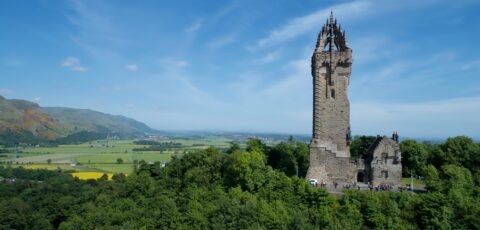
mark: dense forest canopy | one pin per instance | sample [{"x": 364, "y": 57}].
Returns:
[{"x": 252, "y": 189}]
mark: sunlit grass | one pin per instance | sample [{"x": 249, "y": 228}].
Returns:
[{"x": 416, "y": 182}]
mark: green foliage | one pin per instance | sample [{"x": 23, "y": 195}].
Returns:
[
  {"x": 10, "y": 138},
  {"x": 246, "y": 170},
  {"x": 460, "y": 151},
  {"x": 254, "y": 144},
  {"x": 432, "y": 181},
  {"x": 434, "y": 212},
  {"x": 146, "y": 142},
  {"x": 234, "y": 147},
  {"x": 414, "y": 157},
  {"x": 289, "y": 157},
  {"x": 208, "y": 189},
  {"x": 360, "y": 145},
  {"x": 81, "y": 137}
]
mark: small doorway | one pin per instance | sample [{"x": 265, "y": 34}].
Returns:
[{"x": 360, "y": 176}]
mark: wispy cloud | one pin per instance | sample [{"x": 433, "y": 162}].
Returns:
[
  {"x": 471, "y": 65},
  {"x": 345, "y": 12},
  {"x": 224, "y": 11},
  {"x": 89, "y": 19},
  {"x": 182, "y": 63},
  {"x": 195, "y": 26},
  {"x": 132, "y": 67},
  {"x": 222, "y": 41},
  {"x": 172, "y": 65},
  {"x": 269, "y": 57},
  {"x": 175, "y": 72},
  {"x": 73, "y": 63},
  {"x": 295, "y": 82},
  {"x": 375, "y": 47},
  {"x": 257, "y": 90},
  {"x": 304, "y": 24},
  {"x": 96, "y": 32}
]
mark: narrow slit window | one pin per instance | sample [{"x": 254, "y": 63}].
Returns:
[
  {"x": 332, "y": 93},
  {"x": 385, "y": 174}
]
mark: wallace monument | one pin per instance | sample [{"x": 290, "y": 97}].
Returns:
[{"x": 330, "y": 160}]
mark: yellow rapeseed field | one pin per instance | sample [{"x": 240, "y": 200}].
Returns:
[
  {"x": 90, "y": 175},
  {"x": 48, "y": 167}
]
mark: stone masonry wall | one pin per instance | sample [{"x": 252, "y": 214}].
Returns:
[
  {"x": 385, "y": 163},
  {"x": 331, "y": 106},
  {"x": 326, "y": 167}
]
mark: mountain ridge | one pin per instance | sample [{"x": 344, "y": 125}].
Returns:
[{"x": 51, "y": 123}]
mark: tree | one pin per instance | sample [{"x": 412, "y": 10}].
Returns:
[
  {"x": 360, "y": 145},
  {"x": 49, "y": 161},
  {"x": 462, "y": 151},
  {"x": 254, "y": 144},
  {"x": 414, "y": 157},
  {"x": 14, "y": 214},
  {"x": 119, "y": 161},
  {"x": 208, "y": 189},
  {"x": 246, "y": 170},
  {"x": 289, "y": 157},
  {"x": 433, "y": 212},
  {"x": 432, "y": 179},
  {"x": 234, "y": 147}
]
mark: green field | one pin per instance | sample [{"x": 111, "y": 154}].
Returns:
[
  {"x": 416, "y": 182},
  {"x": 102, "y": 155}
]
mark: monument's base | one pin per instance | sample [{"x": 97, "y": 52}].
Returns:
[{"x": 326, "y": 167}]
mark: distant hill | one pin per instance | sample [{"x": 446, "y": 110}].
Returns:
[
  {"x": 85, "y": 119},
  {"x": 25, "y": 118}
]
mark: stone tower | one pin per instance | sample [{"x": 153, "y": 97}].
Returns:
[{"x": 331, "y": 69}]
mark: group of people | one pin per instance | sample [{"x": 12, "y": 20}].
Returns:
[
  {"x": 407, "y": 187},
  {"x": 395, "y": 136},
  {"x": 350, "y": 185},
  {"x": 380, "y": 187},
  {"x": 371, "y": 187}
]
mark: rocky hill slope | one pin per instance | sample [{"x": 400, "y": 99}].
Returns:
[{"x": 50, "y": 123}]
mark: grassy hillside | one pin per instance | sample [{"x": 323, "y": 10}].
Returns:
[
  {"x": 89, "y": 120},
  {"x": 23, "y": 121},
  {"x": 24, "y": 116}
]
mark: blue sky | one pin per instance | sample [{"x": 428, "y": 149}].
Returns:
[{"x": 245, "y": 65}]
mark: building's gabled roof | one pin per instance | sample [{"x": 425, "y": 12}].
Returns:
[
  {"x": 373, "y": 146},
  {"x": 375, "y": 143}
]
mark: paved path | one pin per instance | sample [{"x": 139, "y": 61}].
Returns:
[{"x": 360, "y": 187}]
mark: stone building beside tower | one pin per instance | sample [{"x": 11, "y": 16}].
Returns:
[{"x": 330, "y": 145}]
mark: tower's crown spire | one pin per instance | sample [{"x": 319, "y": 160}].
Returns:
[{"x": 331, "y": 38}]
